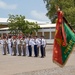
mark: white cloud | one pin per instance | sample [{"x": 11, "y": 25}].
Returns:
[
  {"x": 39, "y": 15},
  {"x": 4, "y": 5}
]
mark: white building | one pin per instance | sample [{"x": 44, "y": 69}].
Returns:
[{"x": 46, "y": 29}]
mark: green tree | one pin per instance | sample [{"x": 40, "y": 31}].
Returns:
[
  {"x": 17, "y": 24},
  {"x": 67, "y": 6}
]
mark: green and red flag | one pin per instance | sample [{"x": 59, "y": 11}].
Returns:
[{"x": 63, "y": 42}]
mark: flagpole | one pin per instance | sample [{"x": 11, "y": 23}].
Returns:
[
  {"x": 58, "y": 9},
  {"x": 74, "y": 2},
  {"x": 68, "y": 23}
]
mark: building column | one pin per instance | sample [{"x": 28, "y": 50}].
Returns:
[
  {"x": 50, "y": 34},
  {"x": 36, "y": 33},
  {"x": 43, "y": 33},
  {"x": 1, "y": 34}
]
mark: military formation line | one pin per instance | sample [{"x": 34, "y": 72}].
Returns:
[{"x": 23, "y": 45}]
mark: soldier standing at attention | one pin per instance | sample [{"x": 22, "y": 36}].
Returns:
[
  {"x": 26, "y": 40},
  {"x": 36, "y": 45},
  {"x": 42, "y": 46},
  {"x": 4, "y": 45},
  {"x": 10, "y": 44},
  {"x": 30, "y": 44},
  {"x": 19, "y": 46},
  {"x": 23, "y": 46},
  {"x": 14, "y": 45},
  {"x": 3, "y": 42}
]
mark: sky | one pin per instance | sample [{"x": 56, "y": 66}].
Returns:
[{"x": 31, "y": 9}]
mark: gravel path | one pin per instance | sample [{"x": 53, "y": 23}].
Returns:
[
  {"x": 68, "y": 70},
  {"x": 15, "y": 65}
]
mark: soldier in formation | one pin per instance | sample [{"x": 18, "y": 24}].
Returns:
[{"x": 23, "y": 46}]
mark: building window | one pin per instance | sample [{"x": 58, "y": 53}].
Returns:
[
  {"x": 0, "y": 34},
  {"x": 4, "y": 34},
  {"x": 39, "y": 34},
  {"x": 34, "y": 34},
  {"x": 46, "y": 35},
  {"x": 52, "y": 35},
  {"x": 52, "y": 27}
]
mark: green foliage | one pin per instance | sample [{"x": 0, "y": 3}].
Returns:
[
  {"x": 18, "y": 24},
  {"x": 67, "y": 6}
]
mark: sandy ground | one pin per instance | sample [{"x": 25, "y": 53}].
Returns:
[{"x": 15, "y": 65}]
